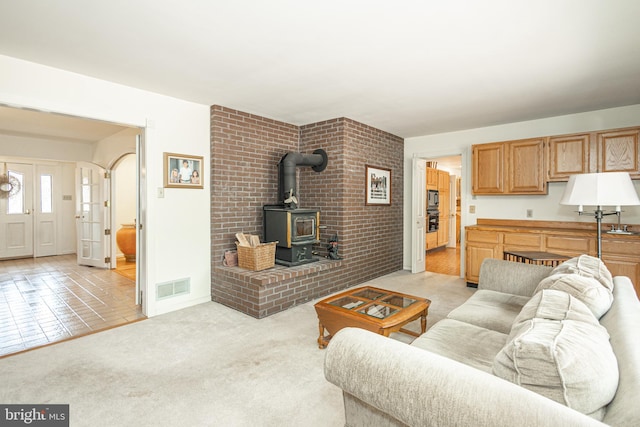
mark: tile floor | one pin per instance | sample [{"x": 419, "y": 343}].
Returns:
[{"x": 50, "y": 299}]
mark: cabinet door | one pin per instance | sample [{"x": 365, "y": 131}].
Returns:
[
  {"x": 443, "y": 181},
  {"x": 526, "y": 167},
  {"x": 475, "y": 254},
  {"x": 432, "y": 179},
  {"x": 488, "y": 168},
  {"x": 432, "y": 240},
  {"x": 567, "y": 155},
  {"x": 624, "y": 266},
  {"x": 445, "y": 204},
  {"x": 480, "y": 245},
  {"x": 618, "y": 151},
  {"x": 443, "y": 231}
]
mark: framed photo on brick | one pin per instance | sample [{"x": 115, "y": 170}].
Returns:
[
  {"x": 183, "y": 171},
  {"x": 378, "y": 186}
]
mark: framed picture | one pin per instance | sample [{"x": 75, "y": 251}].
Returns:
[
  {"x": 378, "y": 184},
  {"x": 183, "y": 171}
]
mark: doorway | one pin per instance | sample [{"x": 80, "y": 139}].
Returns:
[
  {"x": 442, "y": 252},
  {"x": 124, "y": 215},
  {"x": 46, "y": 297}
]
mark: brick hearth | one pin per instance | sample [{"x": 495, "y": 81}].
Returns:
[{"x": 245, "y": 151}]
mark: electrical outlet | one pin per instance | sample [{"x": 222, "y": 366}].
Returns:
[
  {"x": 529, "y": 213},
  {"x": 472, "y": 209}
]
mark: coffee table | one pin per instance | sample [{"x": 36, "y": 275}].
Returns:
[{"x": 376, "y": 310}]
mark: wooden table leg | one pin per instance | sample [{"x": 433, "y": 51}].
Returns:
[
  {"x": 322, "y": 343},
  {"x": 423, "y": 322}
]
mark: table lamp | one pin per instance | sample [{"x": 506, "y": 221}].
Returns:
[{"x": 600, "y": 189}]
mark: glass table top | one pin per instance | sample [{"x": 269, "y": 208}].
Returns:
[
  {"x": 374, "y": 302},
  {"x": 379, "y": 310},
  {"x": 369, "y": 294}
]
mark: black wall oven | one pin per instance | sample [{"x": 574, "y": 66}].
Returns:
[
  {"x": 433, "y": 213},
  {"x": 433, "y": 200},
  {"x": 433, "y": 220}
]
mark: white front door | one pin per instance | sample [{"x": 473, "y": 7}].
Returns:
[
  {"x": 418, "y": 215},
  {"x": 91, "y": 215},
  {"x": 16, "y": 207}
]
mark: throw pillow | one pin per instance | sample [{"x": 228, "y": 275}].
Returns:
[
  {"x": 587, "y": 289},
  {"x": 552, "y": 304},
  {"x": 569, "y": 361},
  {"x": 588, "y": 266}
]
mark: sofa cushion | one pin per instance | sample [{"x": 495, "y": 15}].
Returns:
[
  {"x": 490, "y": 309},
  {"x": 587, "y": 266},
  {"x": 568, "y": 361},
  {"x": 587, "y": 289},
  {"x": 463, "y": 342},
  {"x": 552, "y": 304}
]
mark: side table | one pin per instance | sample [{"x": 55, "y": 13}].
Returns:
[{"x": 535, "y": 257}]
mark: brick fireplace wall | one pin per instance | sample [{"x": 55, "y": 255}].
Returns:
[{"x": 245, "y": 151}]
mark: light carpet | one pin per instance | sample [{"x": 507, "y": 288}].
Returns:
[{"x": 206, "y": 365}]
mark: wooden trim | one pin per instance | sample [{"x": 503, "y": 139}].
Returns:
[{"x": 562, "y": 225}]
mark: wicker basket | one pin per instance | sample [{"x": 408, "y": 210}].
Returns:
[{"x": 257, "y": 258}]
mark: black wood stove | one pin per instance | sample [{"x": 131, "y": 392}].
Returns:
[{"x": 295, "y": 230}]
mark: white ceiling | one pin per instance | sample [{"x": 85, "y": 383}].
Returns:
[{"x": 407, "y": 67}]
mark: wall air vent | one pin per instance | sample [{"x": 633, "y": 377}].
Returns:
[{"x": 173, "y": 288}]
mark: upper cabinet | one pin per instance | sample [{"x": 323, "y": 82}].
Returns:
[
  {"x": 432, "y": 178},
  {"x": 510, "y": 167},
  {"x": 568, "y": 155},
  {"x": 618, "y": 151},
  {"x": 525, "y": 166},
  {"x": 488, "y": 168}
]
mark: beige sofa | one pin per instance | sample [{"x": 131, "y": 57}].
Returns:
[{"x": 529, "y": 348}]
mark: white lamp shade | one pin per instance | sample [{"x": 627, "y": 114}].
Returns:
[{"x": 600, "y": 189}]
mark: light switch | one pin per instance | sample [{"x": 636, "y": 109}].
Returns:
[
  {"x": 160, "y": 192},
  {"x": 472, "y": 208}
]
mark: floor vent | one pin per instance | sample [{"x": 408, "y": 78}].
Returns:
[{"x": 173, "y": 288}]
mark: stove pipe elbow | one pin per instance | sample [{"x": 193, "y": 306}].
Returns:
[{"x": 287, "y": 185}]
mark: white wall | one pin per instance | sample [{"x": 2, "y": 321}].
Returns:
[
  {"x": 544, "y": 207},
  {"x": 171, "y": 125}
]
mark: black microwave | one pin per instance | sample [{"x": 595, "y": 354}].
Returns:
[{"x": 433, "y": 201}]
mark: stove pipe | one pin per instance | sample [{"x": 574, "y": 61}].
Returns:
[{"x": 287, "y": 186}]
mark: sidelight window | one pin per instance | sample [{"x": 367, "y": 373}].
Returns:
[
  {"x": 15, "y": 203},
  {"x": 46, "y": 201}
]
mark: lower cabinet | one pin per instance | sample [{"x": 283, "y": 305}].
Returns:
[
  {"x": 621, "y": 254},
  {"x": 432, "y": 240},
  {"x": 480, "y": 245}
]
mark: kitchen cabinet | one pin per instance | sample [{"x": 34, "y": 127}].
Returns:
[
  {"x": 568, "y": 155},
  {"x": 444, "y": 207},
  {"x": 488, "y": 161},
  {"x": 618, "y": 151},
  {"x": 525, "y": 166},
  {"x": 510, "y": 167},
  {"x": 431, "y": 240},
  {"x": 432, "y": 179},
  {"x": 480, "y": 244},
  {"x": 489, "y": 238}
]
